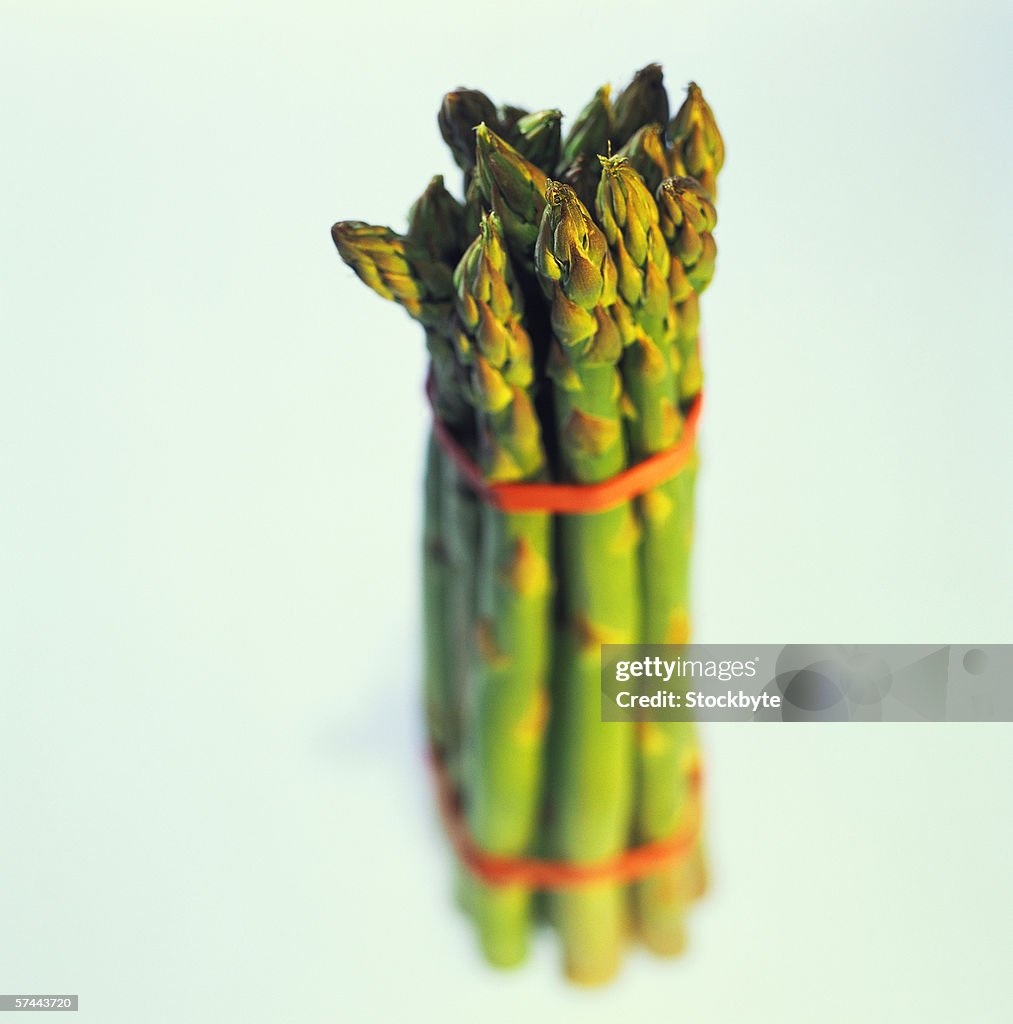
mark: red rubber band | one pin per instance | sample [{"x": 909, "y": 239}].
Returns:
[
  {"x": 574, "y": 499},
  {"x": 532, "y": 873}
]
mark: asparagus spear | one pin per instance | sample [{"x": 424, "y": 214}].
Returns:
[
  {"x": 509, "y": 117},
  {"x": 592, "y": 780},
  {"x": 514, "y": 188},
  {"x": 509, "y": 710},
  {"x": 539, "y": 137},
  {"x": 582, "y": 177},
  {"x": 647, "y": 155},
  {"x": 687, "y": 219},
  {"x": 697, "y": 146},
  {"x": 405, "y": 270},
  {"x": 436, "y": 224},
  {"x": 592, "y": 130},
  {"x": 629, "y": 217},
  {"x": 438, "y": 702},
  {"x": 642, "y": 102},
  {"x": 460, "y": 112},
  {"x": 401, "y": 270}
]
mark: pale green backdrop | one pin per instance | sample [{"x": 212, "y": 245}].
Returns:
[{"x": 212, "y": 800}]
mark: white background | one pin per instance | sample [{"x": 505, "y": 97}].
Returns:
[{"x": 211, "y": 794}]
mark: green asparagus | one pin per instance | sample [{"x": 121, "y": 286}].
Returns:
[
  {"x": 509, "y": 707},
  {"x": 598, "y": 576}
]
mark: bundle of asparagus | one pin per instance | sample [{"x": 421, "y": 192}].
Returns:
[{"x": 561, "y": 318}]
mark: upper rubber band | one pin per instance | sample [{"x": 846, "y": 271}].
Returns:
[{"x": 574, "y": 499}]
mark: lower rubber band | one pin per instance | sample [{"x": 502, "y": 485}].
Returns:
[{"x": 533, "y": 873}]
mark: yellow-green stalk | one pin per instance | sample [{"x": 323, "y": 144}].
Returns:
[
  {"x": 509, "y": 704},
  {"x": 647, "y": 155},
  {"x": 592, "y": 129},
  {"x": 697, "y": 147},
  {"x": 687, "y": 217},
  {"x": 538, "y": 137},
  {"x": 436, "y": 226},
  {"x": 514, "y": 189},
  {"x": 415, "y": 271},
  {"x": 591, "y": 775},
  {"x": 643, "y": 101},
  {"x": 629, "y": 217},
  {"x": 582, "y": 176},
  {"x": 460, "y": 112},
  {"x": 509, "y": 117}
]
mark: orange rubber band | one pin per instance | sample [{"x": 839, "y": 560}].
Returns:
[
  {"x": 574, "y": 499},
  {"x": 532, "y": 873}
]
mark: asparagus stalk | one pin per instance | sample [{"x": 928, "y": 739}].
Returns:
[
  {"x": 436, "y": 224},
  {"x": 509, "y": 117},
  {"x": 539, "y": 137},
  {"x": 592, "y": 129},
  {"x": 642, "y": 102},
  {"x": 582, "y": 176},
  {"x": 410, "y": 271},
  {"x": 402, "y": 270},
  {"x": 438, "y": 702},
  {"x": 592, "y": 783},
  {"x": 687, "y": 219},
  {"x": 438, "y": 235},
  {"x": 509, "y": 710},
  {"x": 697, "y": 147},
  {"x": 460, "y": 112},
  {"x": 647, "y": 155},
  {"x": 514, "y": 189},
  {"x": 629, "y": 217}
]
